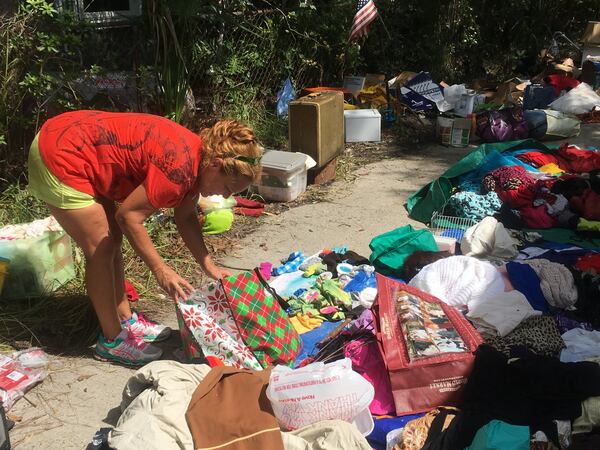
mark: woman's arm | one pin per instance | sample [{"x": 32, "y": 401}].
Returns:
[
  {"x": 131, "y": 216},
  {"x": 190, "y": 229}
]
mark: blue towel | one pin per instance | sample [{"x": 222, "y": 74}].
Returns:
[
  {"x": 290, "y": 265},
  {"x": 312, "y": 338},
  {"x": 525, "y": 280},
  {"x": 384, "y": 425}
]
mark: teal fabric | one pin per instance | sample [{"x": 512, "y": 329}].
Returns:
[
  {"x": 498, "y": 435},
  {"x": 390, "y": 249}
]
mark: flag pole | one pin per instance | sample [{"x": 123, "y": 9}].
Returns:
[{"x": 384, "y": 27}]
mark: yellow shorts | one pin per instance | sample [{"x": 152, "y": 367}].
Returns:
[{"x": 44, "y": 185}]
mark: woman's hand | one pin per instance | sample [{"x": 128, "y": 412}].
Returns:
[
  {"x": 213, "y": 271},
  {"x": 173, "y": 284}
]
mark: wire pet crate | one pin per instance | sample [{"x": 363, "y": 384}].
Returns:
[{"x": 442, "y": 224}]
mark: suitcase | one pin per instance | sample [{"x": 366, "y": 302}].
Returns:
[
  {"x": 423, "y": 379},
  {"x": 316, "y": 126}
]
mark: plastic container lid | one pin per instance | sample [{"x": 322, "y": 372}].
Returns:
[
  {"x": 361, "y": 114},
  {"x": 283, "y": 161}
]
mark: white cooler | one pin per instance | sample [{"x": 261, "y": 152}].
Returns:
[
  {"x": 362, "y": 125},
  {"x": 283, "y": 176}
]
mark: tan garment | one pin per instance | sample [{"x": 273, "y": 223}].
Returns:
[
  {"x": 230, "y": 411},
  {"x": 325, "y": 435},
  {"x": 153, "y": 408},
  {"x": 156, "y": 398}
]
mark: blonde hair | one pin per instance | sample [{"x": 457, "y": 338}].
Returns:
[{"x": 231, "y": 140}]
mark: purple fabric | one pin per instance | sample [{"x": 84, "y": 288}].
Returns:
[
  {"x": 502, "y": 125},
  {"x": 565, "y": 324},
  {"x": 362, "y": 322},
  {"x": 367, "y": 361}
]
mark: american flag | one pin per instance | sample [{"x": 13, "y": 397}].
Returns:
[{"x": 366, "y": 12}]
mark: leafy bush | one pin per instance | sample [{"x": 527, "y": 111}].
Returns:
[{"x": 197, "y": 61}]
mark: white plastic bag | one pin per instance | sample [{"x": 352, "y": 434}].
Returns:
[
  {"x": 579, "y": 100},
  {"x": 215, "y": 203},
  {"x": 452, "y": 96},
  {"x": 19, "y": 372},
  {"x": 319, "y": 391}
]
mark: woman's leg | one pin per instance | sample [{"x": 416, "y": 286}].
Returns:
[
  {"x": 89, "y": 228},
  {"x": 123, "y": 308}
]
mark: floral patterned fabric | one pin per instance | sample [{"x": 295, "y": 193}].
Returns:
[{"x": 208, "y": 329}]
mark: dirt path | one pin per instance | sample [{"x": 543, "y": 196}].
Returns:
[{"x": 81, "y": 395}]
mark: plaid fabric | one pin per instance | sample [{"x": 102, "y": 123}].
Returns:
[
  {"x": 291, "y": 264},
  {"x": 263, "y": 324}
]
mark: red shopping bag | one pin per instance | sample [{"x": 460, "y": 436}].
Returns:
[{"x": 426, "y": 344}]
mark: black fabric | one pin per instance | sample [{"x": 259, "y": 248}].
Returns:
[
  {"x": 570, "y": 187},
  {"x": 530, "y": 391},
  {"x": 595, "y": 181},
  {"x": 587, "y": 307},
  {"x": 461, "y": 431},
  {"x": 354, "y": 258},
  {"x": 509, "y": 217},
  {"x": 585, "y": 441},
  {"x": 331, "y": 260},
  {"x": 415, "y": 262},
  {"x": 437, "y": 425}
]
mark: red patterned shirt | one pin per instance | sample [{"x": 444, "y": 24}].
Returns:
[{"x": 108, "y": 155}]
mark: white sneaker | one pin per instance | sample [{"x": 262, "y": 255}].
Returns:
[{"x": 148, "y": 330}]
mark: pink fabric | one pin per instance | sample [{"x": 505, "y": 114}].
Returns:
[
  {"x": 508, "y": 286},
  {"x": 537, "y": 217},
  {"x": 367, "y": 361},
  {"x": 265, "y": 269}
]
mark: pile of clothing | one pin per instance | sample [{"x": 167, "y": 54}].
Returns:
[
  {"x": 171, "y": 406},
  {"x": 326, "y": 286},
  {"x": 535, "y": 382},
  {"x": 540, "y": 190}
]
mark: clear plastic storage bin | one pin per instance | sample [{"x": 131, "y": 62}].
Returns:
[{"x": 283, "y": 176}]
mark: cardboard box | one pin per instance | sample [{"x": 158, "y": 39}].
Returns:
[
  {"x": 591, "y": 35},
  {"x": 466, "y": 104},
  {"x": 374, "y": 79},
  {"x": 354, "y": 84},
  {"x": 324, "y": 174},
  {"x": 454, "y": 132}
]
